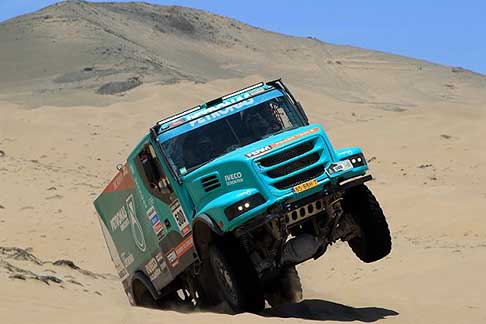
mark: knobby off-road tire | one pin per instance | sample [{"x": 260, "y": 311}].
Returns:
[
  {"x": 236, "y": 278},
  {"x": 208, "y": 289},
  {"x": 285, "y": 289},
  {"x": 146, "y": 300},
  {"x": 375, "y": 241}
]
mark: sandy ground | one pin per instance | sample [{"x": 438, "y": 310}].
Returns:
[
  {"x": 420, "y": 125},
  {"x": 429, "y": 165}
]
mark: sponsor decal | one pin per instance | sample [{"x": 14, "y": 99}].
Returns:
[
  {"x": 233, "y": 178},
  {"x": 127, "y": 216},
  {"x": 180, "y": 217},
  {"x": 159, "y": 228},
  {"x": 244, "y": 193},
  {"x": 198, "y": 117},
  {"x": 159, "y": 258},
  {"x": 219, "y": 109},
  {"x": 127, "y": 259},
  {"x": 151, "y": 212},
  {"x": 184, "y": 246},
  {"x": 151, "y": 266},
  {"x": 203, "y": 116},
  {"x": 122, "y": 272},
  {"x": 258, "y": 152},
  {"x": 174, "y": 255},
  {"x": 264, "y": 150},
  {"x": 152, "y": 269},
  {"x": 137, "y": 232},
  {"x": 345, "y": 153},
  {"x": 120, "y": 220}
]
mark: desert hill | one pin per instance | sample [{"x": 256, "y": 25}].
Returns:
[
  {"x": 100, "y": 74},
  {"x": 82, "y": 49}
]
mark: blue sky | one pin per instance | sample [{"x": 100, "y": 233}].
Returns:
[{"x": 446, "y": 32}]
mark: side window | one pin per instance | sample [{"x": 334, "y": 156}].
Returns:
[{"x": 153, "y": 175}]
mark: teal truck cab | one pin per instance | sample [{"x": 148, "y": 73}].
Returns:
[{"x": 219, "y": 203}]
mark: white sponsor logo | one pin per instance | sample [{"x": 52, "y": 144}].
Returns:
[
  {"x": 127, "y": 259},
  {"x": 244, "y": 193},
  {"x": 172, "y": 257},
  {"x": 219, "y": 110},
  {"x": 233, "y": 178},
  {"x": 151, "y": 212},
  {"x": 120, "y": 220},
  {"x": 151, "y": 266},
  {"x": 259, "y": 151}
]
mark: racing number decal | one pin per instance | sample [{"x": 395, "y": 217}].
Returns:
[
  {"x": 180, "y": 217},
  {"x": 137, "y": 232}
]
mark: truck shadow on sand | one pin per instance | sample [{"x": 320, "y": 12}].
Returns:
[{"x": 322, "y": 310}]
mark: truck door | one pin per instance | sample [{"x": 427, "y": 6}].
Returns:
[{"x": 165, "y": 214}]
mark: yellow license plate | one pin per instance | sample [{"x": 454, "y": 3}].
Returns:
[{"x": 305, "y": 186}]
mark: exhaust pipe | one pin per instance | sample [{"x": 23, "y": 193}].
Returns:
[{"x": 299, "y": 249}]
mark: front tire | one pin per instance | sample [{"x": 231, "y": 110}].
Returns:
[
  {"x": 285, "y": 289},
  {"x": 374, "y": 243},
  {"x": 236, "y": 277}
]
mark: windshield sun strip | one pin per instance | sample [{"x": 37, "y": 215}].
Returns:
[{"x": 213, "y": 111}]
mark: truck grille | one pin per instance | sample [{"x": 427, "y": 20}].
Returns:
[
  {"x": 283, "y": 169},
  {"x": 293, "y": 166},
  {"x": 287, "y": 155},
  {"x": 300, "y": 178}
]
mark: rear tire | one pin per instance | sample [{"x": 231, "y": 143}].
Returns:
[
  {"x": 285, "y": 289},
  {"x": 235, "y": 276},
  {"x": 142, "y": 296},
  {"x": 375, "y": 241}
]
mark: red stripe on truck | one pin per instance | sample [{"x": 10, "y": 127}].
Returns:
[{"x": 122, "y": 181}]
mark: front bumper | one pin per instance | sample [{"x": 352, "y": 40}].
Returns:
[{"x": 281, "y": 209}]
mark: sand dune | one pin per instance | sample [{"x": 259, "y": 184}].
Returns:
[{"x": 421, "y": 126}]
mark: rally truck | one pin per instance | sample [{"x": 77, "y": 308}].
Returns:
[{"x": 219, "y": 203}]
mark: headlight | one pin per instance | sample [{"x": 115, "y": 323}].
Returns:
[
  {"x": 243, "y": 206},
  {"x": 347, "y": 164},
  {"x": 357, "y": 160}
]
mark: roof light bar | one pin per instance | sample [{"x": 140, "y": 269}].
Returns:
[
  {"x": 185, "y": 112},
  {"x": 242, "y": 90}
]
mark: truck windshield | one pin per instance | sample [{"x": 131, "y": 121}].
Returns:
[{"x": 193, "y": 149}]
